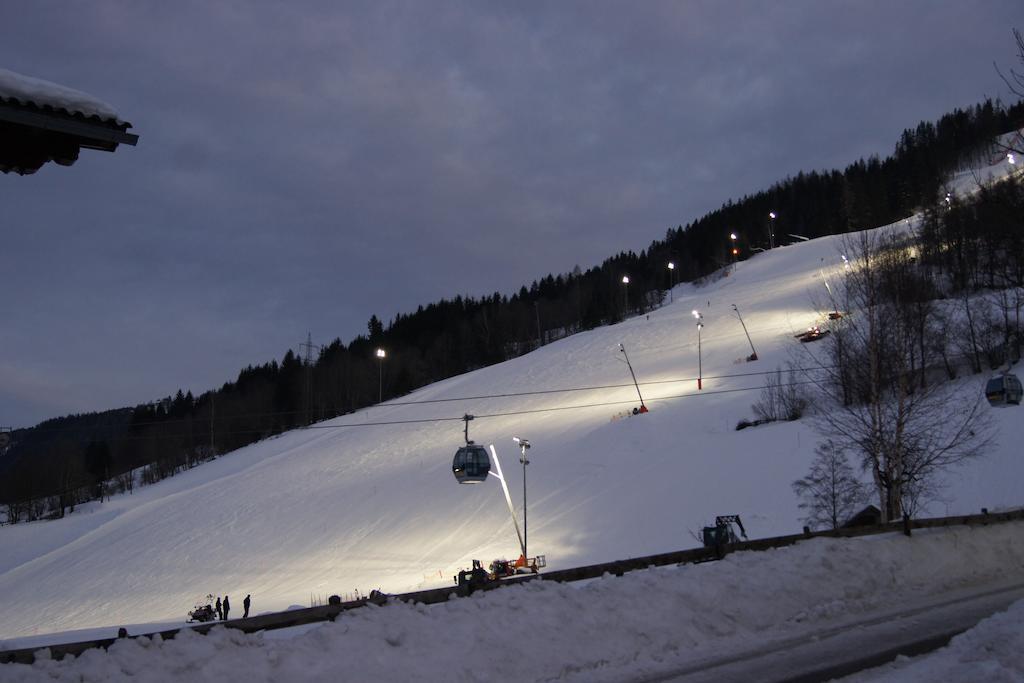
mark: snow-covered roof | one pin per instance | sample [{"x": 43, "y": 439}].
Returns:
[
  {"x": 42, "y": 121},
  {"x": 27, "y": 90}
]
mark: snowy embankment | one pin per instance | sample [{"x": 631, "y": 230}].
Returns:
[
  {"x": 609, "y": 629},
  {"x": 368, "y": 500}
]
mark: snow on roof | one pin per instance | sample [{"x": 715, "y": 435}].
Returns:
[{"x": 44, "y": 94}]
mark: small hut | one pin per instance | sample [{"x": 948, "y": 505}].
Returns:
[{"x": 869, "y": 516}]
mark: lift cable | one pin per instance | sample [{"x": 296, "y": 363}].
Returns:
[
  {"x": 536, "y": 392},
  {"x": 533, "y": 411}
]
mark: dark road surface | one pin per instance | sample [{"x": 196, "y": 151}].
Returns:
[{"x": 857, "y": 645}]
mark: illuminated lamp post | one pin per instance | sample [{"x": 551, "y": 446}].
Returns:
[
  {"x": 625, "y": 295},
  {"x": 671, "y": 279},
  {"x": 380, "y": 375},
  {"x": 524, "y": 445},
  {"x": 771, "y": 229},
  {"x": 700, "y": 369},
  {"x": 735, "y": 251}
]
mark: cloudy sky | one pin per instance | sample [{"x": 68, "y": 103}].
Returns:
[{"x": 303, "y": 165}]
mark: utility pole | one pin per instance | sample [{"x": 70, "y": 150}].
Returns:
[
  {"x": 540, "y": 335},
  {"x": 307, "y": 348},
  {"x": 213, "y": 449}
]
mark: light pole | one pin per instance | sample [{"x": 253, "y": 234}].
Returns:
[
  {"x": 380, "y": 375},
  {"x": 735, "y": 251},
  {"x": 524, "y": 445},
  {"x": 497, "y": 474},
  {"x": 771, "y": 229},
  {"x": 1012, "y": 160},
  {"x": 625, "y": 295},
  {"x": 671, "y": 280},
  {"x": 700, "y": 369}
]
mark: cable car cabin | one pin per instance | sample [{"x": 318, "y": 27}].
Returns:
[
  {"x": 471, "y": 464},
  {"x": 1004, "y": 390}
]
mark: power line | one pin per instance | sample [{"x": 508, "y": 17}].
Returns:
[
  {"x": 549, "y": 409},
  {"x": 541, "y": 392},
  {"x": 481, "y": 397}
]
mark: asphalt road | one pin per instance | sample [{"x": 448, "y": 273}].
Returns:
[{"x": 910, "y": 629}]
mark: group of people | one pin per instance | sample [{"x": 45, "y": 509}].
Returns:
[{"x": 224, "y": 607}]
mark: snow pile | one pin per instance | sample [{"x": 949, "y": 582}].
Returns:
[
  {"x": 638, "y": 625},
  {"x": 28, "y": 90}
]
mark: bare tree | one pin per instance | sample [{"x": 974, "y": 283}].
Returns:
[
  {"x": 831, "y": 492},
  {"x": 1014, "y": 80},
  {"x": 780, "y": 400},
  {"x": 872, "y": 401}
]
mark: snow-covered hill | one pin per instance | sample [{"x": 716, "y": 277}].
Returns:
[{"x": 369, "y": 501}]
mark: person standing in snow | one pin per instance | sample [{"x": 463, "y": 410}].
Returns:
[
  {"x": 220, "y": 614},
  {"x": 245, "y": 606},
  {"x": 227, "y": 607}
]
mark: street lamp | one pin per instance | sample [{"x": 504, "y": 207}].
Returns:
[
  {"x": 771, "y": 229},
  {"x": 625, "y": 295},
  {"x": 1011, "y": 159},
  {"x": 671, "y": 279},
  {"x": 380, "y": 375},
  {"x": 735, "y": 251},
  {"x": 524, "y": 445},
  {"x": 700, "y": 370},
  {"x": 480, "y": 476}
]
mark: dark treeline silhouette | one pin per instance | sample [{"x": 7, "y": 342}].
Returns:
[{"x": 67, "y": 461}]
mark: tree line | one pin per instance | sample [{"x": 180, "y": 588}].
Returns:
[{"x": 73, "y": 459}]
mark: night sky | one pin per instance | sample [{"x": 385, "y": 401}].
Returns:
[{"x": 304, "y": 165}]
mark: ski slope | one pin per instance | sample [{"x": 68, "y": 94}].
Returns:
[{"x": 368, "y": 500}]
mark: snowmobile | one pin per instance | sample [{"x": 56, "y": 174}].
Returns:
[
  {"x": 203, "y": 612},
  {"x": 812, "y": 334}
]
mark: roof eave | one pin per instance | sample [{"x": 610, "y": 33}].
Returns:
[{"x": 101, "y": 136}]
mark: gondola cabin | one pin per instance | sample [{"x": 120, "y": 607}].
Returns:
[
  {"x": 1004, "y": 390},
  {"x": 471, "y": 464}
]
